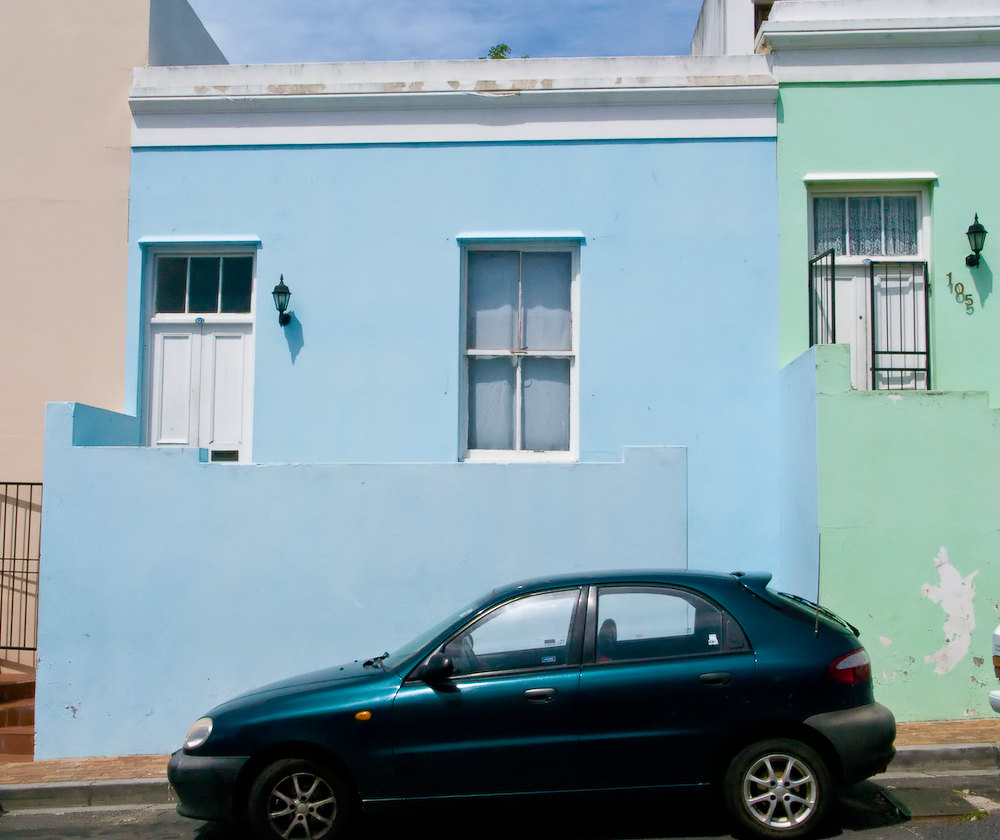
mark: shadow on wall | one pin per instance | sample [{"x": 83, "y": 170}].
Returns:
[
  {"x": 293, "y": 335},
  {"x": 983, "y": 278}
]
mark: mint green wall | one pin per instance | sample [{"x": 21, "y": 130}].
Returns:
[
  {"x": 949, "y": 128},
  {"x": 908, "y": 497},
  {"x": 908, "y": 480}
]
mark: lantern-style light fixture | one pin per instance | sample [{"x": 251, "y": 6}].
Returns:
[
  {"x": 977, "y": 238},
  {"x": 281, "y": 295}
]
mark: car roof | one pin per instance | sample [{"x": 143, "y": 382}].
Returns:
[{"x": 682, "y": 577}]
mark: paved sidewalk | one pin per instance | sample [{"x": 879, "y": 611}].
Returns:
[{"x": 923, "y": 748}]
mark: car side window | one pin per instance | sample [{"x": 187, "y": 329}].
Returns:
[
  {"x": 530, "y": 632},
  {"x": 653, "y": 622}
]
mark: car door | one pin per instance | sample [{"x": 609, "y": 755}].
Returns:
[
  {"x": 505, "y": 721},
  {"x": 668, "y": 679}
]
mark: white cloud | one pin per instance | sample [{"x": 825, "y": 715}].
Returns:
[{"x": 260, "y": 31}]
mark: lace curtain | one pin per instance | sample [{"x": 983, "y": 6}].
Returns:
[{"x": 866, "y": 225}]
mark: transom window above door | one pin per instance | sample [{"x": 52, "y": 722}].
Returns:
[
  {"x": 866, "y": 225},
  {"x": 203, "y": 284}
]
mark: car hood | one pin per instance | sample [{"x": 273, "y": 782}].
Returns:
[{"x": 335, "y": 677}]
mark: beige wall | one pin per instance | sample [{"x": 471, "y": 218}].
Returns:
[{"x": 64, "y": 158}]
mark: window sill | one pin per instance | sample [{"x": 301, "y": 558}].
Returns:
[{"x": 502, "y": 456}]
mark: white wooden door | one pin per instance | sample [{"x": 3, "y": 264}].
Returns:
[
  {"x": 853, "y": 328},
  {"x": 201, "y": 388}
]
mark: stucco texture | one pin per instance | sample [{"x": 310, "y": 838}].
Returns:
[{"x": 906, "y": 482}]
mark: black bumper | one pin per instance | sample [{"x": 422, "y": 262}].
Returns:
[
  {"x": 205, "y": 784},
  {"x": 861, "y": 736}
]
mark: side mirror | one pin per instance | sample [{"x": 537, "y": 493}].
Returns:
[{"x": 438, "y": 668}]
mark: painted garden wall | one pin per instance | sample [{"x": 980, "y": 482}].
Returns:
[
  {"x": 910, "y": 548},
  {"x": 356, "y": 525}
]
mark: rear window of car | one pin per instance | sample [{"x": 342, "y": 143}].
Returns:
[{"x": 797, "y": 603}]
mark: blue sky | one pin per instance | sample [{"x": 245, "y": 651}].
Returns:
[{"x": 266, "y": 31}]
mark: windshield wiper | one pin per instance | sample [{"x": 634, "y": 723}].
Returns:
[{"x": 376, "y": 661}]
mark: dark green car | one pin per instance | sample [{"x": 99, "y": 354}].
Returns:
[{"x": 607, "y": 682}]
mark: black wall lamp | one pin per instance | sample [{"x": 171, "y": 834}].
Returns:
[
  {"x": 281, "y": 294},
  {"x": 977, "y": 238}
]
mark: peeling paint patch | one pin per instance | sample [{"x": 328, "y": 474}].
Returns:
[
  {"x": 894, "y": 397},
  {"x": 955, "y": 594},
  {"x": 885, "y": 640}
]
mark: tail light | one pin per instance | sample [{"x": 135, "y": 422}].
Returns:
[
  {"x": 996, "y": 666},
  {"x": 852, "y": 668}
]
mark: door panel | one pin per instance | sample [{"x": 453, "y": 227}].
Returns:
[
  {"x": 202, "y": 380},
  {"x": 669, "y": 680},
  {"x": 224, "y": 386},
  {"x": 174, "y": 403},
  {"x": 505, "y": 722},
  {"x": 495, "y": 734},
  {"x": 659, "y": 722}
]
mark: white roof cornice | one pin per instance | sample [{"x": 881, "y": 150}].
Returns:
[
  {"x": 514, "y": 99},
  {"x": 850, "y": 34},
  {"x": 882, "y": 40}
]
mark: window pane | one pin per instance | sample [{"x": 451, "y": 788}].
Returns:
[
  {"x": 829, "y": 230},
  {"x": 545, "y": 404},
  {"x": 204, "y": 292},
  {"x": 493, "y": 300},
  {"x": 900, "y": 225},
  {"x": 865, "y": 225},
  {"x": 237, "y": 283},
  {"x": 545, "y": 299},
  {"x": 171, "y": 283},
  {"x": 491, "y": 403},
  {"x": 644, "y": 623},
  {"x": 532, "y": 632}
]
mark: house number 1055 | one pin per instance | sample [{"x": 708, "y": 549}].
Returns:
[{"x": 960, "y": 295}]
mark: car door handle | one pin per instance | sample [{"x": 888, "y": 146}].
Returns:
[
  {"x": 717, "y": 678},
  {"x": 540, "y": 695}
]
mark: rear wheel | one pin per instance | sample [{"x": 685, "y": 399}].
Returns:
[
  {"x": 778, "y": 788},
  {"x": 298, "y": 798}
]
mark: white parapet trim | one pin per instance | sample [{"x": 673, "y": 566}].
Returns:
[
  {"x": 882, "y": 40},
  {"x": 449, "y": 101}
]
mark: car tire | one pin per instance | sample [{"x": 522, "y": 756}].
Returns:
[
  {"x": 299, "y": 798},
  {"x": 778, "y": 788}
]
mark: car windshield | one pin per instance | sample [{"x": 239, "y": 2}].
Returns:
[{"x": 404, "y": 655}]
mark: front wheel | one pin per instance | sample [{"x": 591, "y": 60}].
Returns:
[
  {"x": 778, "y": 788},
  {"x": 298, "y": 798}
]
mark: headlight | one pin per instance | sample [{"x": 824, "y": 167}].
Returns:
[{"x": 198, "y": 733}]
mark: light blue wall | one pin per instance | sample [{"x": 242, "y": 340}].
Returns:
[
  {"x": 678, "y": 311},
  {"x": 169, "y": 584},
  {"x": 799, "y": 573}
]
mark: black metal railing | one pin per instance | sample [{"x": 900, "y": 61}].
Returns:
[
  {"x": 20, "y": 529},
  {"x": 822, "y": 299},
  {"x": 895, "y": 312}
]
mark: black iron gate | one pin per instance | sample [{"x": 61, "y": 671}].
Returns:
[
  {"x": 900, "y": 326},
  {"x": 20, "y": 529},
  {"x": 822, "y": 299}
]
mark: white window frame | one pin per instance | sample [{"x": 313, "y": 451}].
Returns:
[
  {"x": 152, "y": 250},
  {"x": 847, "y": 186},
  {"x": 880, "y": 189},
  {"x": 546, "y": 244}
]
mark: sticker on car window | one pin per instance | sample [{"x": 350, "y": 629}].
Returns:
[{"x": 713, "y": 640}]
